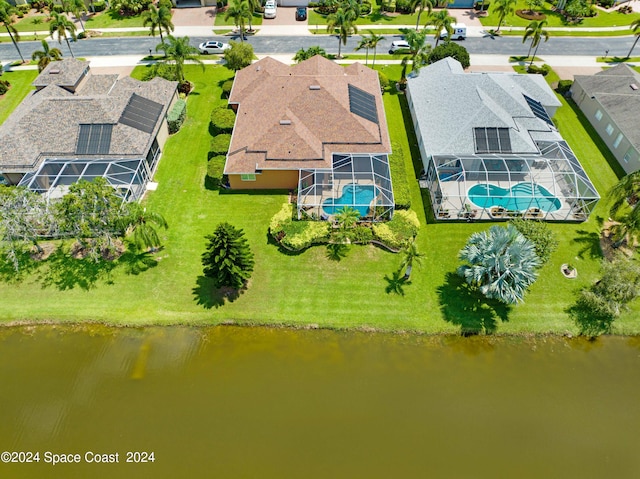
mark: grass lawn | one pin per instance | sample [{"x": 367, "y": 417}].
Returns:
[
  {"x": 108, "y": 19},
  {"x": 375, "y": 18},
  {"x": 617, "y": 59},
  {"x": 20, "y": 87},
  {"x": 306, "y": 288},
  {"x": 603, "y": 19},
  {"x": 572, "y": 33}
]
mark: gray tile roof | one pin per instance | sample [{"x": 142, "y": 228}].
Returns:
[
  {"x": 450, "y": 103},
  {"x": 66, "y": 73},
  {"x": 47, "y": 122},
  {"x": 612, "y": 88}
]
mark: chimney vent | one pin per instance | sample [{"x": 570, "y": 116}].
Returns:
[
  {"x": 314, "y": 87},
  {"x": 634, "y": 86},
  {"x": 285, "y": 122}
]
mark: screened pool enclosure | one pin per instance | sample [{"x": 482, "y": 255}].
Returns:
[
  {"x": 548, "y": 186},
  {"x": 360, "y": 181}
]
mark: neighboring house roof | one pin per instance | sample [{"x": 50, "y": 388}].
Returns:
[
  {"x": 612, "y": 89},
  {"x": 292, "y": 117},
  {"x": 449, "y": 104},
  {"x": 49, "y": 122}
]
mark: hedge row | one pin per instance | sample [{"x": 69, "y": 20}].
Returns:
[
  {"x": 399, "y": 230},
  {"x": 222, "y": 120},
  {"x": 215, "y": 170},
  {"x": 220, "y": 144},
  {"x": 297, "y": 235},
  {"x": 401, "y": 191},
  {"x": 176, "y": 116}
]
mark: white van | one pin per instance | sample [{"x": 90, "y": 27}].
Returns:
[{"x": 459, "y": 32}]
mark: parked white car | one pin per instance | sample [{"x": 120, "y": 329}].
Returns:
[
  {"x": 270, "y": 9},
  {"x": 399, "y": 45},
  {"x": 213, "y": 47}
]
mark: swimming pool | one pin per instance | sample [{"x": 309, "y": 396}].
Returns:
[
  {"x": 519, "y": 197},
  {"x": 357, "y": 196}
]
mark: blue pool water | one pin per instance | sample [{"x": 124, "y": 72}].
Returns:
[
  {"x": 520, "y": 197},
  {"x": 357, "y": 196}
]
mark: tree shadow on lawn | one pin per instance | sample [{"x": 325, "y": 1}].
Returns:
[
  {"x": 28, "y": 266},
  {"x": 136, "y": 262},
  {"x": 396, "y": 283},
  {"x": 65, "y": 272},
  {"x": 207, "y": 295},
  {"x": 465, "y": 306},
  {"x": 590, "y": 244}
]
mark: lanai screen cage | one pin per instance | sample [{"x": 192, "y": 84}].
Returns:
[
  {"x": 549, "y": 186},
  {"x": 129, "y": 177},
  {"x": 360, "y": 181}
]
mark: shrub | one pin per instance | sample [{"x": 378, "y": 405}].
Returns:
[
  {"x": 99, "y": 6},
  {"x": 606, "y": 3},
  {"x": 215, "y": 171},
  {"x": 543, "y": 239},
  {"x": 384, "y": 80},
  {"x": 226, "y": 88},
  {"x": 299, "y": 235},
  {"x": 399, "y": 231},
  {"x": 449, "y": 49},
  {"x": 130, "y": 7},
  {"x": 543, "y": 70},
  {"x": 81, "y": 35},
  {"x": 564, "y": 86},
  {"x": 389, "y": 6},
  {"x": 401, "y": 191},
  {"x": 165, "y": 3},
  {"x": 280, "y": 218},
  {"x": 4, "y": 86},
  {"x": 365, "y": 8},
  {"x": 162, "y": 70},
  {"x": 360, "y": 234},
  {"x": 176, "y": 116},
  {"x": 240, "y": 55},
  {"x": 222, "y": 120},
  {"x": 57, "y": 9},
  {"x": 24, "y": 9},
  {"x": 404, "y": 6},
  {"x": 220, "y": 144}
]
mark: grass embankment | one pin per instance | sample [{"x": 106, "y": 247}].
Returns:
[
  {"x": 20, "y": 88},
  {"x": 554, "y": 19},
  {"x": 305, "y": 288}
]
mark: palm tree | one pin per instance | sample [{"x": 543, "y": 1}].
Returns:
[
  {"x": 536, "y": 31},
  {"x": 352, "y": 9},
  {"x": 365, "y": 42},
  {"x": 253, "y": 5},
  {"x": 77, "y": 7},
  {"x": 6, "y": 18},
  {"x": 635, "y": 27},
  {"x": 141, "y": 227},
  {"x": 342, "y": 20},
  {"x": 61, "y": 24},
  {"x": 159, "y": 18},
  {"x": 374, "y": 39},
  {"x": 46, "y": 55},
  {"x": 347, "y": 217},
  {"x": 441, "y": 20},
  {"x": 178, "y": 50},
  {"x": 421, "y": 5},
  {"x": 625, "y": 194},
  {"x": 419, "y": 47},
  {"x": 502, "y": 263},
  {"x": 504, "y": 8},
  {"x": 240, "y": 11},
  {"x": 410, "y": 256}
]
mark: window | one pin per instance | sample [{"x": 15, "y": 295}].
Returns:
[
  {"x": 599, "y": 115},
  {"x": 609, "y": 129},
  {"x": 618, "y": 140},
  {"x": 627, "y": 157},
  {"x": 248, "y": 177}
]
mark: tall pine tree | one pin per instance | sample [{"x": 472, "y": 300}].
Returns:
[{"x": 228, "y": 259}]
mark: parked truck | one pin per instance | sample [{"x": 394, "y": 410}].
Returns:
[{"x": 459, "y": 32}]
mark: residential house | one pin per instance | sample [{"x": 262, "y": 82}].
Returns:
[
  {"x": 490, "y": 149},
  {"x": 610, "y": 100}
]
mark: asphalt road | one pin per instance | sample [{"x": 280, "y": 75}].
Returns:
[{"x": 587, "y": 46}]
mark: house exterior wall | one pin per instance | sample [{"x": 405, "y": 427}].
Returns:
[
  {"x": 13, "y": 178},
  {"x": 624, "y": 152},
  {"x": 267, "y": 180}
]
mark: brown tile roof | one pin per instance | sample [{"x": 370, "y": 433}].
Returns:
[
  {"x": 47, "y": 122},
  {"x": 65, "y": 73},
  {"x": 282, "y": 123}
]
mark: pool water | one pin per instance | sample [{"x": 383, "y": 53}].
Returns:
[
  {"x": 358, "y": 197},
  {"x": 519, "y": 197}
]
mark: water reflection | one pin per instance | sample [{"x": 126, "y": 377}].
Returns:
[{"x": 256, "y": 402}]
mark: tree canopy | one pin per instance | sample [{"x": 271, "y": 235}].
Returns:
[
  {"x": 228, "y": 260},
  {"x": 450, "y": 49}
]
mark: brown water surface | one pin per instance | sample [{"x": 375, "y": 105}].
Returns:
[{"x": 232, "y": 402}]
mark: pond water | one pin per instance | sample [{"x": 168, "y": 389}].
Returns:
[{"x": 235, "y": 402}]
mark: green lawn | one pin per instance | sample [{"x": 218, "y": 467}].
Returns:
[
  {"x": 306, "y": 288},
  {"x": 603, "y": 19},
  {"x": 375, "y": 18},
  {"x": 108, "y": 19},
  {"x": 20, "y": 87},
  {"x": 572, "y": 33}
]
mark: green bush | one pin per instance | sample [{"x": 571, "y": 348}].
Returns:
[
  {"x": 399, "y": 231},
  {"x": 222, "y": 120},
  {"x": 401, "y": 191},
  {"x": 4, "y": 86},
  {"x": 360, "y": 234},
  {"x": 299, "y": 235},
  {"x": 543, "y": 70},
  {"x": 389, "y": 6},
  {"x": 450, "y": 49},
  {"x": 176, "y": 116},
  {"x": 57, "y": 9},
  {"x": 365, "y": 8},
  {"x": 280, "y": 218},
  {"x": 24, "y": 9},
  {"x": 384, "y": 80},
  {"x": 240, "y": 55},
  {"x": 226, "y": 88},
  {"x": 220, "y": 144},
  {"x": 564, "y": 86},
  {"x": 162, "y": 70},
  {"x": 99, "y": 6},
  {"x": 215, "y": 172},
  {"x": 539, "y": 233},
  {"x": 404, "y": 6}
]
